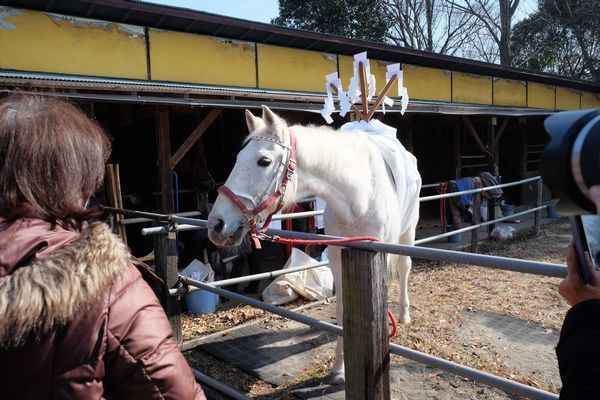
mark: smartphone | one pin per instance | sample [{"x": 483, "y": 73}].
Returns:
[{"x": 586, "y": 238}]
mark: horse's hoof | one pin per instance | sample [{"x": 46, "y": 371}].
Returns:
[
  {"x": 404, "y": 317},
  {"x": 336, "y": 378}
]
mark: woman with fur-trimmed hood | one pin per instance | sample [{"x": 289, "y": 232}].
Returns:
[{"x": 77, "y": 321}]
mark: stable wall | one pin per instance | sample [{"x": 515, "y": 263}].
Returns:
[{"x": 41, "y": 42}]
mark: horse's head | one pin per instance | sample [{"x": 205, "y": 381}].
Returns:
[{"x": 261, "y": 181}]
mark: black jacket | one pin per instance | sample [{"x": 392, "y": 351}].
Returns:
[{"x": 578, "y": 352}]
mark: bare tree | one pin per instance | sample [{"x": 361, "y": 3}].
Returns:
[
  {"x": 495, "y": 18},
  {"x": 432, "y": 25}
]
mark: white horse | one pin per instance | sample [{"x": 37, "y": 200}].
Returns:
[{"x": 345, "y": 169}]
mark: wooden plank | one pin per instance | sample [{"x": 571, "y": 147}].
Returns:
[
  {"x": 45, "y": 42},
  {"x": 293, "y": 69},
  {"x": 427, "y": 83},
  {"x": 366, "y": 341},
  {"x": 509, "y": 92},
  {"x": 541, "y": 96},
  {"x": 470, "y": 88},
  {"x": 590, "y": 100},
  {"x": 194, "y": 137},
  {"x": 567, "y": 99},
  {"x": 193, "y": 58}
]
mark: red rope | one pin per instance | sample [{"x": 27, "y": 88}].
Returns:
[
  {"x": 322, "y": 242},
  {"x": 326, "y": 242},
  {"x": 393, "y": 323}
]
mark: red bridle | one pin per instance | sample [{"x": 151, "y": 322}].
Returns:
[{"x": 272, "y": 198}]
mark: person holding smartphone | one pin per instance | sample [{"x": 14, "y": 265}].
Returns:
[{"x": 578, "y": 350}]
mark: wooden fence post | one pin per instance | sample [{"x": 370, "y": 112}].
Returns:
[
  {"x": 366, "y": 340},
  {"x": 537, "y": 216},
  {"x": 165, "y": 253}
]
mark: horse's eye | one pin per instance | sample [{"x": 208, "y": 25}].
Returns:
[{"x": 264, "y": 161}]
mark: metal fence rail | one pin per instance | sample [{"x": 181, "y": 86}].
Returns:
[
  {"x": 482, "y": 260},
  {"x": 483, "y": 189},
  {"x": 504, "y": 384},
  {"x": 472, "y": 227}
]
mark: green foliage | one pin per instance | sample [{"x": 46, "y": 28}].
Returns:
[
  {"x": 563, "y": 37},
  {"x": 356, "y": 19}
]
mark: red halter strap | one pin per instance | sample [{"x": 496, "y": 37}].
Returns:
[{"x": 269, "y": 200}]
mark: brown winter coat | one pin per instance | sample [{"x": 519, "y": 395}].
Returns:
[{"x": 77, "y": 321}]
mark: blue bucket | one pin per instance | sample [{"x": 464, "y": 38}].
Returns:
[{"x": 201, "y": 301}]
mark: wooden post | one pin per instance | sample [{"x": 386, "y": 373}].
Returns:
[
  {"x": 537, "y": 217},
  {"x": 115, "y": 198},
  {"x": 457, "y": 151},
  {"x": 476, "y": 220},
  {"x": 366, "y": 341},
  {"x": 491, "y": 215},
  {"x": 165, "y": 246}
]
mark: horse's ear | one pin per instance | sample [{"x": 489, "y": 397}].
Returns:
[
  {"x": 253, "y": 122},
  {"x": 270, "y": 118}
]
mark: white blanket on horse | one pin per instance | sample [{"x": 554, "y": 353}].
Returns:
[{"x": 401, "y": 163}]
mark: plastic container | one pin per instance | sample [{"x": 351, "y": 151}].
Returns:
[{"x": 200, "y": 301}]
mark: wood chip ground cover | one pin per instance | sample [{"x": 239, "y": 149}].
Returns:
[{"x": 442, "y": 297}]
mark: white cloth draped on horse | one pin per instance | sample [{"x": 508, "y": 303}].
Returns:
[{"x": 402, "y": 165}]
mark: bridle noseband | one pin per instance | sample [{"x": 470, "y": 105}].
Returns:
[{"x": 277, "y": 196}]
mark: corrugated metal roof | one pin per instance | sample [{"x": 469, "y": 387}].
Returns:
[
  {"x": 194, "y": 95},
  {"x": 186, "y": 20}
]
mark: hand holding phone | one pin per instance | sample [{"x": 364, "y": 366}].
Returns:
[{"x": 583, "y": 241}]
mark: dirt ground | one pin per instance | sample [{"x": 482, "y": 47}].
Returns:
[{"x": 505, "y": 323}]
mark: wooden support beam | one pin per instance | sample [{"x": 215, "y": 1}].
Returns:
[
  {"x": 194, "y": 136},
  {"x": 364, "y": 91},
  {"x": 115, "y": 198},
  {"x": 500, "y": 132},
  {"x": 475, "y": 136},
  {"x": 163, "y": 132},
  {"x": 366, "y": 341},
  {"x": 165, "y": 246}
]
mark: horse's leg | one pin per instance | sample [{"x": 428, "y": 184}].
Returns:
[
  {"x": 404, "y": 265},
  {"x": 337, "y": 371}
]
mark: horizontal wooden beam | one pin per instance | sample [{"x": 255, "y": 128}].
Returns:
[{"x": 194, "y": 137}]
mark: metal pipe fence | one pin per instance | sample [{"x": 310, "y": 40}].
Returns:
[
  {"x": 504, "y": 384},
  {"x": 482, "y": 260},
  {"x": 479, "y": 190},
  {"x": 477, "y": 226},
  {"x": 264, "y": 275}
]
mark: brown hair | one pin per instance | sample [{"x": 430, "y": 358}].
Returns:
[{"x": 52, "y": 160}]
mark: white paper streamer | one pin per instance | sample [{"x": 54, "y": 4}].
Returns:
[{"x": 353, "y": 95}]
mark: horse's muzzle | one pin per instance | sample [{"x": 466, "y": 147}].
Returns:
[{"x": 224, "y": 233}]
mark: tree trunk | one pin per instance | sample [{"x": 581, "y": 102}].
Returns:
[
  {"x": 505, "y": 25},
  {"x": 429, "y": 16}
]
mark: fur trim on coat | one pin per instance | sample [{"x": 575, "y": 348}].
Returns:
[{"x": 53, "y": 290}]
